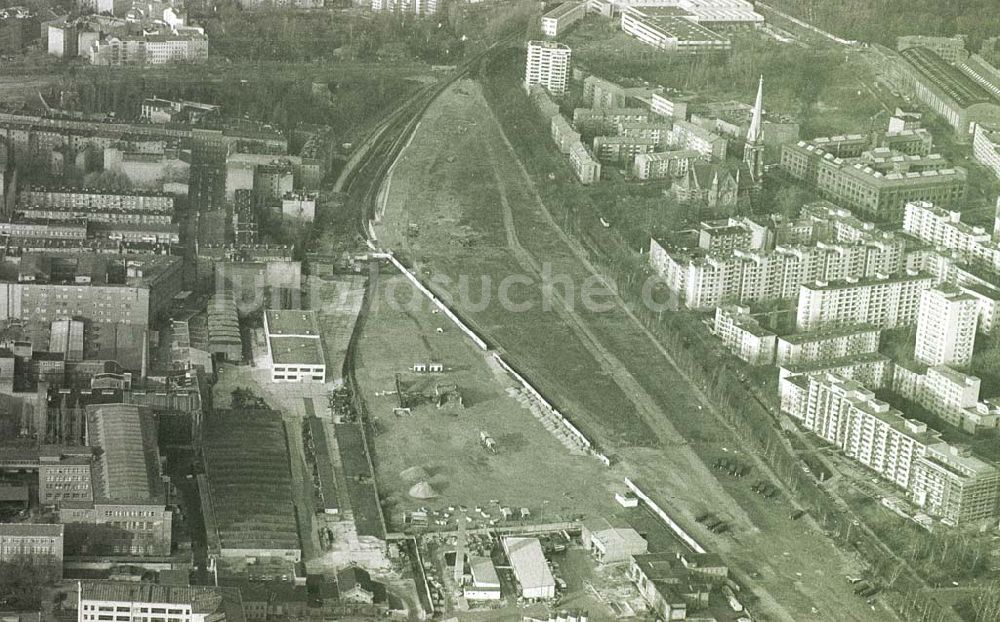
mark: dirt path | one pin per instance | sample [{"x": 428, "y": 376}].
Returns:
[{"x": 799, "y": 571}]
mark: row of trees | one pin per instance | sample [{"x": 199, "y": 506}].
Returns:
[
  {"x": 881, "y": 21},
  {"x": 577, "y": 209}
]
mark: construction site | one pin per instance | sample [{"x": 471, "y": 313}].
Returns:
[{"x": 453, "y": 429}]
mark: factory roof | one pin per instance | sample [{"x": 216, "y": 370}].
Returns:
[
  {"x": 291, "y": 323},
  {"x": 528, "y": 561},
  {"x": 292, "y": 350},
  {"x": 960, "y": 87},
  {"x": 128, "y": 465}
]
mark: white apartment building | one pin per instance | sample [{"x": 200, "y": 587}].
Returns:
[
  {"x": 944, "y": 228},
  {"x": 834, "y": 343},
  {"x": 670, "y": 108},
  {"x": 871, "y": 370},
  {"x": 946, "y": 326},
  {"x": 743, "y": 335},
  {"x": 664, "y": 164},
  {"x": 150, "y": 49},
  {"x": 587, "y": 169},
  {"x": 562, "y": 17},
  {"x": 706, "y": 280},
  {"x": 954, "y": 485},
  {"x": 127, "y": 601},
  {"x": 548, "y": 66},
  {"x": 686, "y": 135},
  {"x": 563, "y": 134},
  {"x": 847, "y": 415},
  {"x": 883, "y": 301},
  {"x": 949, "y": 394},
  {"x": 985, "y": 146}
]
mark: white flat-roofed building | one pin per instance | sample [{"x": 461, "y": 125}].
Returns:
[
  {"x": 949, "y": 394},
  {"x": 587, "y": 169},
  {"x": 128, "y": 601},
  {"x": 704, "y": 280},
  {"x": 686, "y": 135},
  {"x": 986, "y": 146},
  {"x": 563, "y": 133},
  {"x": 664, "y": 164},
  {"x": 821, "y": 345},
  {"x": 873, "y": 370},
  {"x": 671, "y": 108},
  {"x": 294, "y": 349},
  {"x": 547, "y": 65},
  {"x": 743, "y": 335},
  {"x": 847, "y": 415},
  {"x": 954, "y": 485},
  {"x": 671, "y": 30},
  {"x": 946, "y": 326},
  {"x": 530, "y": 567},
  {"x": 945, "y": 228},
  {"x": 883, "y": 301},
  {"x": 485, "y": 584},
  {"x": 562, "y": 17}
]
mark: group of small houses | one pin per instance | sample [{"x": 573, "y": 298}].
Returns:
[{"x": 669, "y": 583}]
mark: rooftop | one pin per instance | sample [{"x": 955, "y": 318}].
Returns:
[
  {"x": 829, "y": 333},
  {"x": 128, "y": 467},
  {"x": 960, "y": 87},
  {"x": 31, "y": 530},
  {"x": 528, "y": 561},
  {"x": 562, "y": 9},
  {"x": 202, "y": 600},
  {"x": 298, "y": 323}
]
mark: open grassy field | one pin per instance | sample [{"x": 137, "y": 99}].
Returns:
[
  {"x": 531, "y": 468},
  {"x": 461, "y": 204}
]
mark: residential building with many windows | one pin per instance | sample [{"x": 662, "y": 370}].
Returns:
[
  {"x": 946, "y": 326},
  {"x": 955, "y": 485},
  {"x": 876, "y": 189},
  {"x": 743, "y": 335},
  {"x": 883, "y": 301},
  {"x": 944, "y": 480},
  {"x": 839, "y": 342},
  {"x": 150, "y": 49},
  {"x": 949, "y": 394},
  {"x": 986, "y": 146},
  {"x": 664, "y": 164},
  {"x": 548, "y": 66}
]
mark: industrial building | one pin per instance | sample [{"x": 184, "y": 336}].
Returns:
[
  {"x": 294, "y": 349},
  {"x": 671, "y": 30},
  {"x": 132, "y": 601},
  {"x": 246, "y": 497},
  {"x": 609, "y": 544},
  {"x": 128, "y": 487},
  {"x": 530, "y": 567},
  {"x": 946, "y": 90},
  {"x": 38, "y": 543},
  {"x": 547, "y": 65}
]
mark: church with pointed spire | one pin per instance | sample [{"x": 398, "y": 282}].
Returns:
[{"x": 753, "y": 150}]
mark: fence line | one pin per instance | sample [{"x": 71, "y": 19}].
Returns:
[
  {"x": 481, "y": 344},
  {"x": 677, "y": 529}
]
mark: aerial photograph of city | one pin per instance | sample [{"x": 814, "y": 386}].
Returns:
[{"x": 500, "y": 310}]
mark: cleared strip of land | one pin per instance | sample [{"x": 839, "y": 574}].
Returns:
[{"x": 461, "y": 204}]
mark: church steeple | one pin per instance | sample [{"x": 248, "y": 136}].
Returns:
[{"x": 753, "y": 150}]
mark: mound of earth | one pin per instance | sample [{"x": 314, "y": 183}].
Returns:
[
  {"x": 413, "y": 474},
  {"x": 422, "y": 490}
]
